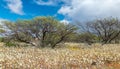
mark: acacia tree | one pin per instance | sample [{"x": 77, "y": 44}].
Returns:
[
  {"x": 50, "y": 31},
  {"x": 63, "y": 33},
  {"x": 18, "y": 31},
  {"x": 47, "y": 30},
  {"x": 43, "y": 27},
  {"x": 107, "y": 29},
  {"x": 2, "y": 31}
]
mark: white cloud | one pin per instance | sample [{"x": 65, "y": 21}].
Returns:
[
  {"x": 15, "y": 6},
  {"x": 64, "y": 21},
  {"x": 50, "y": 2},
  {"x": 90, "y": 9}
]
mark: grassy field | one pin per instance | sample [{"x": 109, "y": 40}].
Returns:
[{"x": 71, "y": 56}]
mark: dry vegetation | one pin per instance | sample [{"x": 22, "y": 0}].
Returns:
[{"x": 72, "y": 56}]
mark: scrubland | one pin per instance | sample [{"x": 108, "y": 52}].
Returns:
[{"x": 68, "y": 56}]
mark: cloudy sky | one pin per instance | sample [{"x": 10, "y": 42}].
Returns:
[{"x": 66, "y": 10}]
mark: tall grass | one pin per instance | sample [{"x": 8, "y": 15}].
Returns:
[{"x": 71, "y": 56}]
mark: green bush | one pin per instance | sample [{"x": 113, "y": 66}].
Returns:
[
  {"x": 1, "y": 39},
  {"x": 10, "y": 44}
]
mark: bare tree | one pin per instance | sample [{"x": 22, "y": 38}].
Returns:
[{"x": 106, "y": 29}]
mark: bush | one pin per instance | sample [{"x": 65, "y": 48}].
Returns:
[
  {"x": 1, "y": 39},
  {"x": 10, "y": 44},
  {"x": 88, "y": 38}
]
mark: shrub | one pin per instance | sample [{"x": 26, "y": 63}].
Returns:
[
  {"x": 1, "y": 39},
  {"x": 10, "y": 44}
]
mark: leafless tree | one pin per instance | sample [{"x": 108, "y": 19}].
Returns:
[{"x": 106, "y": 29}]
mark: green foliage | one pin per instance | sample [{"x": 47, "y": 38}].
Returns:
[
  {"x": 1, "y": 39},
  {"x": 87, "y": 38},
  {"x": 52, "y": 31},
  {"x": 2, "y": 31},
  {"x": 10, "y": 44},
  {"x": 20, "y": 30},
  {"x": 47, "y": 30}
]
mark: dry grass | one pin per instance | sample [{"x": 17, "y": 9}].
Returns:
[{"x": 72, "y": 56}]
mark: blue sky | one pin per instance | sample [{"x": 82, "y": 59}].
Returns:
[
  {"x": 29, "y": 10},
  {"x": 64, "y": 10}
]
